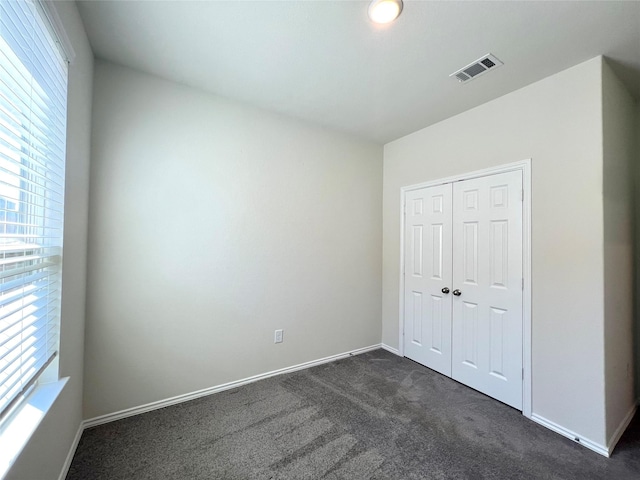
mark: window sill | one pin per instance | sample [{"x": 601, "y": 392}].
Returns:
[{"x": 17, "y": 429}]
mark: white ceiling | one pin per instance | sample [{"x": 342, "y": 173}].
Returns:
[{"x": 325, "y": 62}]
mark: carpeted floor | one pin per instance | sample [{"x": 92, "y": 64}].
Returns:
[{"x": 372, "y": 416}]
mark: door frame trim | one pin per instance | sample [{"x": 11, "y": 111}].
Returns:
[{"x": 525, "y": 167}]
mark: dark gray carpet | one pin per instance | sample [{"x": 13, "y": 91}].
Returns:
[{"x": 372, "y": 416}]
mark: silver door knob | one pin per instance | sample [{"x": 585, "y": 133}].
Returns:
[
  {"x": 445, "y": 290},
  {"x": 457, "y": 292}
]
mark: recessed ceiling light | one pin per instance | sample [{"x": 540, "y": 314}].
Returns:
[{"x": 384, "y": 11}]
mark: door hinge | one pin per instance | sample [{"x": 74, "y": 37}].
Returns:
[
  {"x": 523, "y": 373},
  {"x": 522, "y": 191},
  {"x": 404, "y": 209},
  {"x": 523, "y": 284}
]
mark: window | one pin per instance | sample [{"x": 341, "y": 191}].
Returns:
[{"x": 33, "y": 102}]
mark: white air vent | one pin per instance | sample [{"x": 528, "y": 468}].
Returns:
[{"x": 477, "y": 68}]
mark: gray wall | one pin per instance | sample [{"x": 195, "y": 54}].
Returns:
[
  {"x": 211, "y": 225},
  {"x": 636, "y": 204},
  {"x": 45, "y": 454},
  {"x": 557, "y": 122},
  {"x": 618, "y": 116}
]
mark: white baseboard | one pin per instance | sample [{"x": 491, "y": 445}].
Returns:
[
  {"x": 621, "y": 428},
  {"x": 585, "y": 442},
  {"x": 129, "y": 412},
  {"x": 72, "y": 452},
  {"x": 390, "y": 349}
]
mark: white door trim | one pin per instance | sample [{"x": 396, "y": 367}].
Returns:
[{"x": 525, "y": 167}]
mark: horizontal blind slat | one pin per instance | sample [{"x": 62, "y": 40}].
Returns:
[
  {"x": 37, "y": 297},
  {"x": 10, "y": 355},
  {"x": 7, "y": 297},
  {"x": 20, "y": 107},
  {"x": 11, "y": 285},
  {"x": 10, "y": 358},
  {"x": 29, "y": 268},
  {"x": 37, "y": 165},
  {"x": 34, "y": 349},
  {"x": 33, "y": 104},
  {"x": 31, "y": 361},
  {"x": 28, "y": 146}
]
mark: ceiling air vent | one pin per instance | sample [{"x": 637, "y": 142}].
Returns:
[{"x": 477, "y": 68}]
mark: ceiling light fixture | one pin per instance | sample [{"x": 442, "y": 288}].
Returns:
[{"x": 384, "y": 11}]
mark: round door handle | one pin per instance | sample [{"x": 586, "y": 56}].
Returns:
[
  {"x": 457, "y": 292},
  {"x": 445, "y": 290}
]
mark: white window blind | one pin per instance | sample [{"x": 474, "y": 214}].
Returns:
[{"x": 33, "y": 102}]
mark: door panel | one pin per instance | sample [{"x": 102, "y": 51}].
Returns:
[
  {"x": 487, "y": 269},
  {"x": 427, "y": 329}
]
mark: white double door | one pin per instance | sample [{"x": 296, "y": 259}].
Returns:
[{"x": 463, "y": 282}]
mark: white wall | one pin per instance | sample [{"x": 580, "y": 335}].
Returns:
[
  {"x": 557, "y": 123},
  {"x": 619, "y": 111},
  {"x": 45, "y": 454},
  {"x": 211, "y": 225}
]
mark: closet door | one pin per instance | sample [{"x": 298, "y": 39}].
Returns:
[
  {"x": 487, "y": 284},
  {"x": 427, "y": 276}
]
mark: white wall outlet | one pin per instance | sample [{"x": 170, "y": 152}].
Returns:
[{"x": 278, "y": 337}]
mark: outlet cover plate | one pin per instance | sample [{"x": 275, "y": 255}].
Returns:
[{"x": 278, "y": 336}]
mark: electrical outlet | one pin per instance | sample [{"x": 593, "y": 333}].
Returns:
[{"x": 278, "y": 337}]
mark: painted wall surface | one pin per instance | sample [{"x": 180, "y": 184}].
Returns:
[
  {"x": 557, "y": 123},
  {"x": 211, "y": 225},
  {"x": 636, "y": 206},
  {"x": 45, "y": 454},
  {"x": 618, "y": 116}
]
